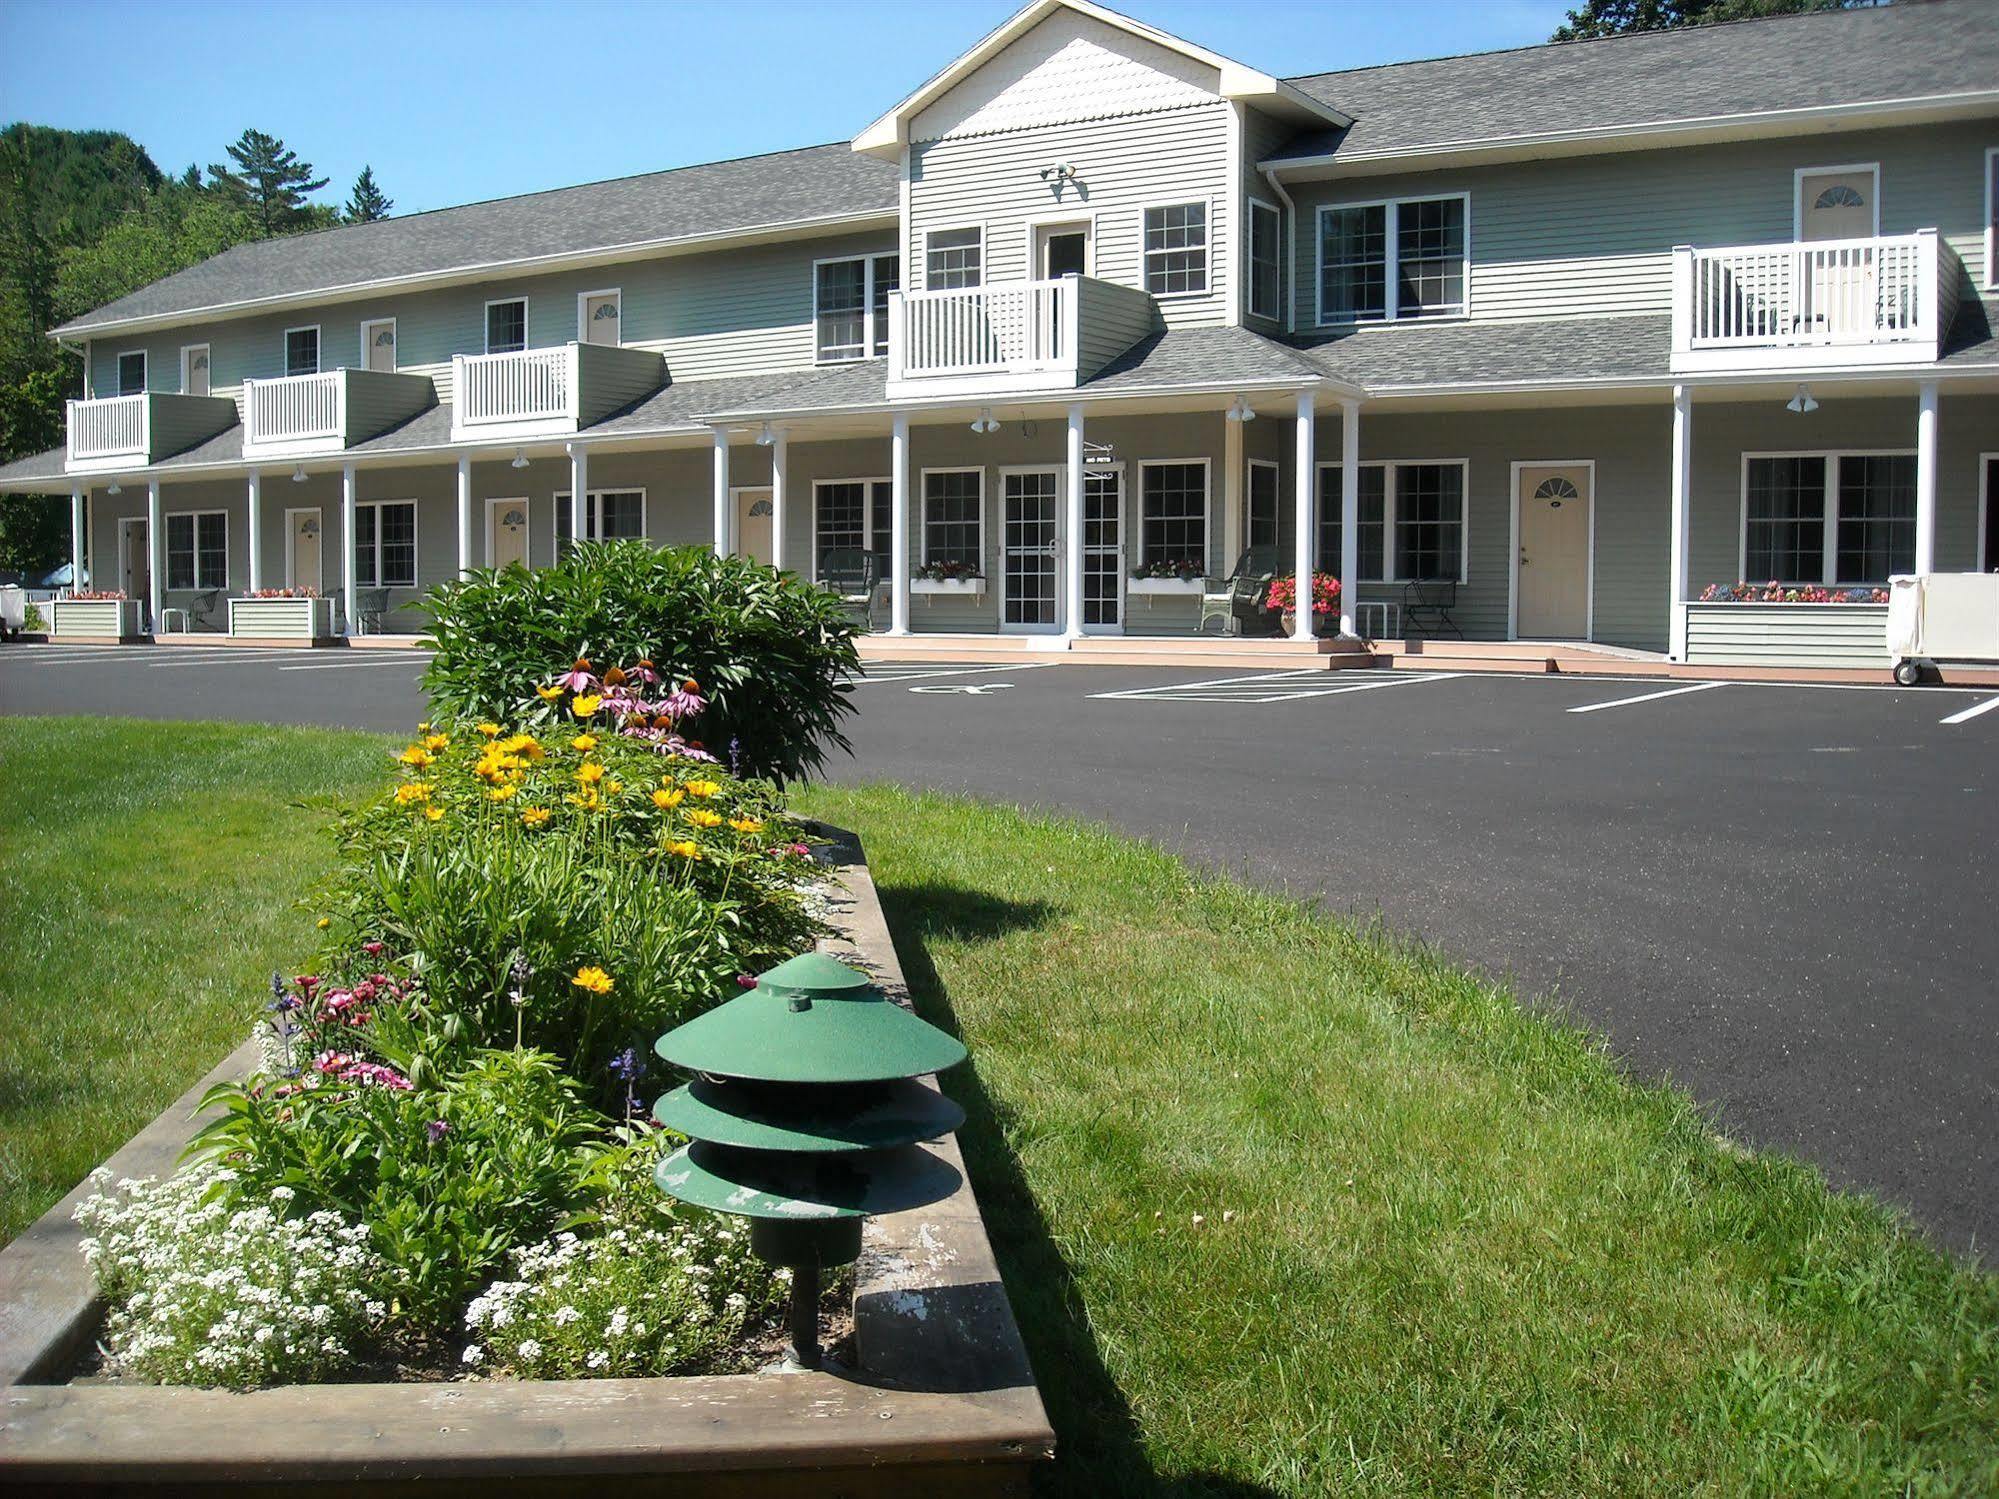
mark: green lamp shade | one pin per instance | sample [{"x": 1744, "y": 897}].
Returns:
[
  {"x": 871, "y": 1117},
  {"x": 801, "y": 1188}
]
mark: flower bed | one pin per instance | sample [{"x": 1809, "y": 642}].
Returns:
[{"x": 1790, "y": 593}]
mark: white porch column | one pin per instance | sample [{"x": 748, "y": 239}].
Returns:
[
  {"x": 464, "y": 514},
  {"x": 156, "y": 555},
  {"x": 778, "y": 457},
  {"x": 1349, "y": 517},
  {"x": 1680, "y": 529},
  {"x": 1302, "y": 552},
  {"x": 1233, "y": 517},
  {"x": 898, "y": 532},
  {"x": 256, "y": 487},
  {"x": 579, "y": 493},
  {"x": 1926, "y": 477},
  {"x": 79, "y": 535},
  {"x": 722, "y": 491},
  {"x": 1072, "y": 530},
  {"x": 350, "y": 562}
]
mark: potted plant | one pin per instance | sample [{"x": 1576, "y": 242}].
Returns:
[
  {"x": 1168, "y": 575},
  {"x": 948, "y": 577},
  {"x": 1282, "y": 599}
]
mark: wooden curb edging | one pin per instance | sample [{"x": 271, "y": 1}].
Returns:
[{"x": 945, "y": 1400}]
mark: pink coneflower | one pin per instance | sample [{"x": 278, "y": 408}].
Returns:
[
  {"x": 437, "y": 1129},
  {"x": 644, "y": 672},
  {"x": 579, "y": 678}
]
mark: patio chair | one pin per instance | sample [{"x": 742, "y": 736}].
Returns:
[
  {"x": 1426, "y": 609},
  {"x": 853, "y": 574},
  {"x": 370, "y": 604},
  {"x": 1235, "y": 603},
  {"x": 201, "y": 612}
]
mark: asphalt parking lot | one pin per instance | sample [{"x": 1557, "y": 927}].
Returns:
[{"x": 1783, "y": 897}]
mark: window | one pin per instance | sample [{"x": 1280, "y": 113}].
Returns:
[
  {"x": 132, "y": 373},
  {"x": 608, "y": 515},
  {"x": 507, "y": 326},
  {"x": 385, "y": 544},
  {"x": 853, "y": 514},
  {"x": 1173, "y": 514},
  {"x": 1176, "y": 249},
  {"x": 1828, "y": 518},
  {"x": 1264, "y": 504},
  {"x": 1401, "y": 259},
  {"x": 954, "y": 504},
  {"x": 301, "y": 351},
  {"x": 1266, "y": 257},
  {"x": 953, "y": 258},
  {"x": 850, "y": 305},
  {"x": 1412, "y": 521},
  {"x": 198, "y": 550}
]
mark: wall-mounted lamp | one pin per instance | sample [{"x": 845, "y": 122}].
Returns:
[
  {"x": 1241, "y": 411},
  {"x": 985, "y": 422},
  {"x": 116, "y": 488},
  {"x": 765, "y": 437},
  {"x": 1060, "y": 171},
  {"x": 520, "y": 459},
  {"x": 1802, "y": 402},
  {"x": 298, "y": 473}
]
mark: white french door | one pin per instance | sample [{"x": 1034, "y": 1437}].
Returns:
[
  {"x": 1030, "y": 549},
  {"x": 1103, "y": 550}
]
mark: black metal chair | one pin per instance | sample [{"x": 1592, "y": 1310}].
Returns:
[
  {"x": 1426, "y": 609},
  {"x": 370, "y": 604},
  {"x": 201, "y": 610}
]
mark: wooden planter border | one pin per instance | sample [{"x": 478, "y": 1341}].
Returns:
[{"x": 944, "y": 1401}]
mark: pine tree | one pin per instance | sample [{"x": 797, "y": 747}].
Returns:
[
  {"x": 1596, "y": 18},
  {"x": 269, "y": 180},
  {"x": 368, "y": 202}
]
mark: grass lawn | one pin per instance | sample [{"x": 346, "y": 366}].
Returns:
[{"x": 1441, "y": 1245}]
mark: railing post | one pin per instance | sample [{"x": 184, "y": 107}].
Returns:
[
  {"x": 1679, "y": 532},
  {"x": 69, "y": 426},
  {"x": 1685, "y": 327},
  {"x": 898, "y": 336},
  {"x": 250, "y": 425},
  {"x": 1071, "y": 353},
  {"x": 573, "y": 382},
  {"x": 1928, "y": 288},
  {"x": 458, "y": 387}
]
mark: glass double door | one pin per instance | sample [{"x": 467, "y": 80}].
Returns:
[{"x": 1032, "y": 546}]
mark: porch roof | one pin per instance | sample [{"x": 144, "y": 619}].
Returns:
[{"x": 1387, "y": 357}]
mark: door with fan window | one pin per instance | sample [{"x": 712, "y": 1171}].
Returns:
[
  {"x": 1838, "y": 211},
  {"x": 1552, "y": 601}
]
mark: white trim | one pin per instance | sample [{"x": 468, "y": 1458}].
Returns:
[
  {"x": 870, "y": 334},
  {"x": 583, "y": 299},
  {"x": 318, "y": 350},
  {"x": 1513, "y": 548},
  {"x": 395, "y": 338},
  {"x": 318, "y": 584},
  {"x": 1389, "y": 578},
  {"x": 166, "y": 550},
  {"x": 1207, "y": 509},
  {"x": 922, "y": 508},
  {"x": 978, "y": 227},
  {"x": 1829, "y": 538},
  {"x": 187, "y": 349},
  {"x": 1207, "y": 288},
  {"x": 527, "y": 526},
  {"x": 486, "y": 325},
  {"x": 416, "y": 541},
  {"x": 1992, "y": 217},
  {"x": 867, "y": 483},
  {"x": 1237, "y": 213},
  {"x": 1277, "y": 497},
  {"x": 1391, "y": 311},
  {"x": 1033, "y": 225},
  {"x": 593, "y": 518},
  {"x": 1988, "y": 496},
  {"x": 1798, "y": 177},
  {"x": 1253, "y": 203},
  {"x": 145, "y": 372},
  {"x": 1059, "y": 472}
]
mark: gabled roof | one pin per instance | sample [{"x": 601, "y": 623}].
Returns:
[
  {"x": 784, "y": 193},
  {"x": 887, "y": 136},
  {"x": 1938, "y": 52}
]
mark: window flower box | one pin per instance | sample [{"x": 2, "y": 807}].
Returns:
[
  {"x": 1186, "y": 588},
  {"x": 301, "y": 617},
  {"x": 970, "y": 586},
  {"x": 95, "y": 618}
]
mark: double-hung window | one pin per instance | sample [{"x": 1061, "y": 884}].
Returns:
[
  {"x": 1411, "y": 526},
  {"x": 953, "y": 258},
  {"x": 132, "y": 373},
  {"x": 301, "y": 351},
  {"x": 198, "y": 550},
  {"x": 608, "y": 515},
  {"x": 1828, "y": 518},
  {"x": 1266, "y": 261},
  {"x": 1406, "y": 258},
  {"x": 852, "y": 515},
  {"x": 850, "y": 306},
  {"x": 385, "y": 544},
  {"x": 507, "y": 326},
  {"x": 954, "y": 507},
  {"x": 1173, "y": 514},
  {"x": 1176, "y": 249}
]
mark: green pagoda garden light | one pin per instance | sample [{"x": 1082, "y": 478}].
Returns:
[{"x": 804, "y": 1116}]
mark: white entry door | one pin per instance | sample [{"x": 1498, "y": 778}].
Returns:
[
  {"x": 302, "y": 549},
  {"x": 378, "y": 345},
  {"x": 1030, "y": 546},
  {"x": 601, "y": 317},
  {"x": 507, "y": 533},
  {"x": 1553, "y": 578},
  {"x": 754, "y": 514},
  {"x": 1103, "y": 550},
  {"x": 1841, "y": 288},
  {"x": 135, "y": 560}
]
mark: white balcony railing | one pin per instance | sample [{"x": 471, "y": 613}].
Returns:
[
  {"x": 298, "y": 408},
  {"x": 110, "y": 427},
  {"x": 528, "y": 385},
  {"x": 1015, "y": 328},
  {"x": 1835, "y": 295}
]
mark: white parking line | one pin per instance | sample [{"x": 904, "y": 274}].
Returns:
[
  {"x": 1650, "y": 697},
  {"x": 1972, "y": 712},
  {"x": 371, "y": 658},
  {"x": 1270, "y": 687},
  {"x": 951, "y": 671}
]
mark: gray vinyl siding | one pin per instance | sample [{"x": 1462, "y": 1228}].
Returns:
[
  {"x": 377, "y": 401},
  {"x": 1126, "y": 165},
  {"x": 1821, "y": 635},
  {"x": 1594, "y": 235},
  {"x": 179, "y": 422},
  {"x": 610, "y": 379},
  {"x": 1111, "y": 319},
  {"x": 1262, "y": 136}
]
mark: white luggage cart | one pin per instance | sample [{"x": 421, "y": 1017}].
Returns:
[
  {"x": 13, "y": 610},
  {"x": 1942, "y": 617}
]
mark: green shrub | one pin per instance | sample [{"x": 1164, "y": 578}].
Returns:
[
  {"x": 32, "y": 622},
  {"x": 772, "y": 652}
]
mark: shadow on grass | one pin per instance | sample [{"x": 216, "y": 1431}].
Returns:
[{"x": 1099, "y": 1451}]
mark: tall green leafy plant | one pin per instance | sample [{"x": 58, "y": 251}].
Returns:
[{"x": 774, "y": 654}]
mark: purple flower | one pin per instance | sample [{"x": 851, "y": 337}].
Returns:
[
  {"x": 746, "y": 981},
  {"x": 681, "y": 704},
  {"x": 374, "y": 949},
  {"x": 626, "y": 1066},
  {"x": 735, "y": 756},
  {"x": 437, "y": 1129}
]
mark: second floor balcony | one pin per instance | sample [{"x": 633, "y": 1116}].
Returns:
[
  {"x": 1011, "y": 336},
  {"x": 114, "y": 432},
  {"x": 542, "y": 392},
  {"x": 301, "y": 415},
  {"x": 1812, "y": 304}
]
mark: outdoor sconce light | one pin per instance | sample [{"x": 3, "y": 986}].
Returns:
[
  {"x": 1802, "y": 402},
  {"x": 766, "y": 437},
  {"x": 520, "y": 458},
  {"x": 985, "y": 422},
  {"x": 116, "y": 488},
  {"x": 804, "y": 1116},
  {"x": 1241, "y": 411},
  {"x": 298, "y": 473}
]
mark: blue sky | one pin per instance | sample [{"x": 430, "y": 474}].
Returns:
[{"x": 457, "y": 102}]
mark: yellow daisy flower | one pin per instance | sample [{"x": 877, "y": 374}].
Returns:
[
  {"x": 436, "y": 742},
  {"x": 586, "y": 705},
  {"x": 549, "y": 694},
  {"x": 593, "y": 980},
  {"x": 668, "y": 797},
  {"x": 434, "y": 813},
  {"x": 746, "y": 824},
  {"x": 416, "y": 755},
  {"x": 490, "y": 730},
  {"x": 412, "y": 791},
  {"x": 502, "y": 793},
  {"x": 685, "y": 849},
  {"x": 534, "y": 817},
  {"x": 584, "y": 742},
  {"x": 324, "y": 922},
  {"x": 703, "y": 788},
  {"x": 701, "y": 817},
  {"x": 590, "y": 772}
]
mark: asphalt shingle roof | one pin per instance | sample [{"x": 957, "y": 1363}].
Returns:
[
  {"x": 717, "y": 198},
  {"x": 1912, "y": 49},
  {"x": 1404, "y": 354}
]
